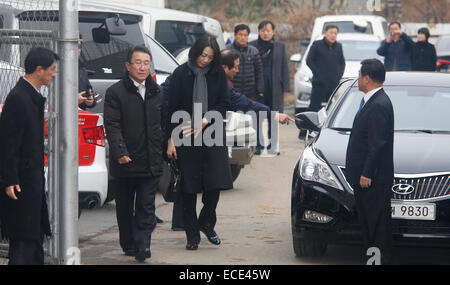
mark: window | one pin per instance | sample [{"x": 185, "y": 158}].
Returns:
[
  {"x": 104, "y": 57},
  {"x": 162, "y": 60},
  {"x": 340, "y": 90},
  {"x": 350, "y": 27},
  {"x": 360, "y": 50},
  {"x": 177, "y": 36}
]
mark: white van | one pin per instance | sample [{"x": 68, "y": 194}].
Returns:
[{"x": 176, "y": 30}]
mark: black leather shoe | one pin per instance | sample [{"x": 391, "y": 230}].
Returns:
[
  {"x": 142, "y": 254},
  {"x": 159, "y": 220},
  {"x": 212, "y": 237},
  {"x": 192, "y": 246}
]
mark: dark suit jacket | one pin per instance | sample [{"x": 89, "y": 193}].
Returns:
[
  {"x": 371, "y": 143},
  {"x": 22, "y": 162}
]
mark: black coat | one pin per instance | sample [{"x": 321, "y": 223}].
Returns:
[
  {"x": 249, "y": 80},
  {"x": 202, "y": 168},
  {"x": 326, "y": 62},
  {"x": 371, "y": 144},
  {"x": 84, "y": 85},
  {"x": 134, "y": 128},
  {"x": 424, "y": 57},
  {"x": 22, "y": 163},
  {"x": 280, "y": 75}
]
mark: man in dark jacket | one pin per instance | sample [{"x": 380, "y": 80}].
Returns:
[
  {"x": 327, "y": 63},
  {"x": 133, "y": 126},
  {"x": 86, "y": 98},
  {"x": 249, "y": 80},
  {"x": 396, "y": 49},
  {"x": 23, "y": 206},
  {"x": 276, "y": 74},
  {"x": 370, "y": 159}
]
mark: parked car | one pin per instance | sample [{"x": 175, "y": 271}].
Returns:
[
  {"x": 443, "y": 53},
  {"x": 361, "y": 24},
  {"x": 176, "y": 30},
  {"x": 92, "y": 171},
  {"x": 323, "y": 206},
  {"x": 356, "y": 47}
]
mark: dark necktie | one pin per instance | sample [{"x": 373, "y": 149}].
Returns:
[{"x": 360, "y": 107}]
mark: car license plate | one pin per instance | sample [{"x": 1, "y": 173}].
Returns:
[{"x": 413, "y": 211}]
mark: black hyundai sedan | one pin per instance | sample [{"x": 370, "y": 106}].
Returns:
[{"x": 322, "y": 203}]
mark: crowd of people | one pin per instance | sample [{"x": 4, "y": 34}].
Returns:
[{"x": 138, "y": 121}]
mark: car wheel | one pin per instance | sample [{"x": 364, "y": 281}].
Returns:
[
  {"x": 309, "y": 248},
  {"x": 235, "y": 170}
]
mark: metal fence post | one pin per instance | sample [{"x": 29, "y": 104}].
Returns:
[{"x": 67, "y": 132}]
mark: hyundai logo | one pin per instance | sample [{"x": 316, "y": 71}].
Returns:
[{"x": 403, "y": 189}]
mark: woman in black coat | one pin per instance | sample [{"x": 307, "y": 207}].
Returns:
[
  {"x": 204, "y": 169},
  {"x": 423, "y": 54}
]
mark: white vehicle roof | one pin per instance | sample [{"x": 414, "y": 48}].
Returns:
[
  {"x": 353, "y": 37},
  {"x": 343, "y": 18}
]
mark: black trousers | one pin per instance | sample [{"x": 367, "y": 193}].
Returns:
[
  {"x": 319, "y": 94},
  {"x": 135, "y": 211},
  {"x": 207, "y": 219},
  {"x": 373, "y": 206},
  {"x": 177, "y": 212},
  {"x": 26, "y": 252}
]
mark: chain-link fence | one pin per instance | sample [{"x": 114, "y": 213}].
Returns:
[{"x": 23, "y": 26}]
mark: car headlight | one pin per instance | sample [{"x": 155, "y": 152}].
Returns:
[{"x": 313, "y": 168}]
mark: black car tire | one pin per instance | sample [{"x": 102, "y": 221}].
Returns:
[
  {"x": 235, "y": 170},
  {"x": 309, "y": 248}
]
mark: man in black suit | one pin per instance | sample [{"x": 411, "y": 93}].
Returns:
[
  {"x": 23, "y": 206},
  {"x": 369, "y": 161}
]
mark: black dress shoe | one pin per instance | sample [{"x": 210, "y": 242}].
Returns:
[
  {"x": 158, "y": 220},
  {"x": 142, "y": 254},
  {"x": 212, "y": 236},
  {"x": 192, "y": 246}
]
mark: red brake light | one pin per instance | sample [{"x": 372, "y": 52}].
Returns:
[
  {"x": 154, "y": 76},
  {"x": 94, "y": 135}
]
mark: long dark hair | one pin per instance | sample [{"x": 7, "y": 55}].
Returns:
[{"x": 198, "y": 48}]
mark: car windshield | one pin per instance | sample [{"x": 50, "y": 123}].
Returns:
[
  {"x": 102, "y": 53},
  {"x": 415, "y": 108},
  {"x": 176, "y": 36},
  {"x": 349, "y": 27},
  {"x": 162, "y": 59},
  {"x": 359, "y": 50}
]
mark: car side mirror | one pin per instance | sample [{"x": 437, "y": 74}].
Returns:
[
  {"x": 297, "y": 58},
  {"x": 308, "y": 121},
  {"x": 115, "y": 26}
]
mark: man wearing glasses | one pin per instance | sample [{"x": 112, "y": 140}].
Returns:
[{"x": 134, "y": 127}]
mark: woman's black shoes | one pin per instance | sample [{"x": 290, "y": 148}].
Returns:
[
  {"x": 192, "y": 246},
  {"x": 212, "y": 236}
]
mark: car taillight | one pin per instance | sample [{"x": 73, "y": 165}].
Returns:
[
  {"x": 94, "y": 135},
  {"x": 154, "y": 76}
]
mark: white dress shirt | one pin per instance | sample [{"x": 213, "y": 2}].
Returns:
[
  {"x": 369, "y": 94},
  {"x": 140, "y": 87}
]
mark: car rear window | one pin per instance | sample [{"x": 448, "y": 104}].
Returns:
[
  {"x": 350, "y": 27},
  {"x": 106, "y": 59}
]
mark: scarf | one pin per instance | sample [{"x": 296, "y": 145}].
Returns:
[
  {"x": 200, "y": 92},
  {"x": 265, "y": 48}
]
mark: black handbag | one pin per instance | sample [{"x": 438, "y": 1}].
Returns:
[{"x": 169, "y": 180}]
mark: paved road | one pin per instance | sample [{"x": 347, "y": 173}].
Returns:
[{"x": 253, "y": 222}]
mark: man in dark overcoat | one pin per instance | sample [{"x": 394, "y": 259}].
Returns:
[
  {"x": 133, "y": 126},
  {"x": 327, "y": 63},
  {"x": 23, "y": 206},
  {"x": 275, "y": 74},
  {"x": 370, "y": 159}
]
